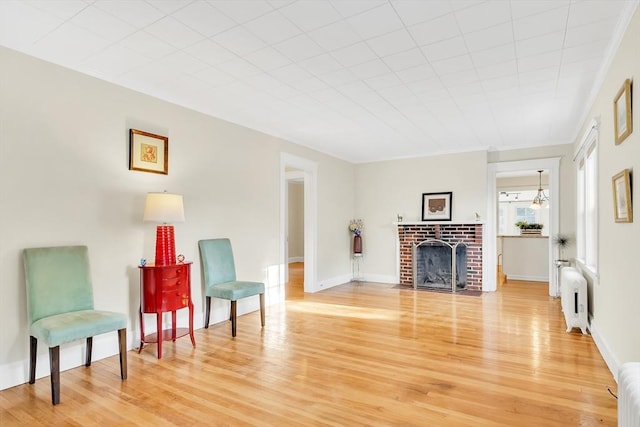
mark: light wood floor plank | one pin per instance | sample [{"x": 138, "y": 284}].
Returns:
[{"x": 356, "y": 354}]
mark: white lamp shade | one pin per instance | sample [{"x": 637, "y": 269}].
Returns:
[{"x": 163, "y": 208}]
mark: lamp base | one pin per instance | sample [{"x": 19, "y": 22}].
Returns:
[{"x": 165, "y": 245}]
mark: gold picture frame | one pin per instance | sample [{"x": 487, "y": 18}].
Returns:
[
  {"x": 148, "y": 152},
  {"x": 622, "y": 117},
  {"x": 622, "y": 209}
]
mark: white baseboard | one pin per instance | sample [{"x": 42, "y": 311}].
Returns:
[
  {"x": 380, "y": 278},
  {"x": 334, "y": 281},
  {"x": 527, "y": 278},
  {"x": 296, "y": 259},
  {"x": 605, "y": 350}
]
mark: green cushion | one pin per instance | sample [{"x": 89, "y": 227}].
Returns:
[
  {"x": 219, "y": 271},
  {"x": 60, "y": 296},
  {"x": 58, "y": 281},
  {"x": 235, "y": 290},
  {"x": 76, "y": 325}
]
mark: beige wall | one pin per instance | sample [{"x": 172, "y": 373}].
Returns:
[
  {"x": 385, "y": 189},
  {"x": 65, "y": 180},
  {"x": 296, "y": 221},
  {"x": 525, "y": 258},
  {"x": 615, "y": 297}
]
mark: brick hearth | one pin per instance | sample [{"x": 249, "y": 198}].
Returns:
[{"x": 469, "y": 234}]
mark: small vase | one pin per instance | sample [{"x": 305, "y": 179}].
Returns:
[{"x": 357, "y": 244}]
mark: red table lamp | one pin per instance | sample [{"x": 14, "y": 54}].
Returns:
[{"x": 164, "y": 208}]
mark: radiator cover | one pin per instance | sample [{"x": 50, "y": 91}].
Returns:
[{"x": 574, "y": 298}]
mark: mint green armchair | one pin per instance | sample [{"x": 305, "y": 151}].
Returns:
[
  {"x": 219, "y": 273},
  {"x": 60, "y": 308}
]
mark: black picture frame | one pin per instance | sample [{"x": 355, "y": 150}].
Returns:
[{"x": 437, "y": 206}]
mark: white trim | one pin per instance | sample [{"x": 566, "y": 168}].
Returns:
[
  {"x": 380, "y": 278},
  {"x": 527, "y": 278},
  {"x": 295, "y": 259},
  {"x": 605, "y": 350},
  {"x": 309, "y": 170},
  {"x": 591, "y": 133},
  {"x": 489, "y": 237},
  {"x": 334, "y": 281}
]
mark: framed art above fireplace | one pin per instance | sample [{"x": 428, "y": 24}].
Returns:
[{"x": 436, "y": 206}]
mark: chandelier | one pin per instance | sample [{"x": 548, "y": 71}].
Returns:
[{"x": 541, "y": 199}]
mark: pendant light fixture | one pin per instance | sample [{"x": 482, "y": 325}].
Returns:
[{"x": 541, "y": 199}]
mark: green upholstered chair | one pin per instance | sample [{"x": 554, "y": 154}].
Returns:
[
  {"x": 60, "y": 307},
  {"x": 219, "y": 272}
]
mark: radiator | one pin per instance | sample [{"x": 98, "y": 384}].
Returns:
[
  {"x": 574, "y": 298},
  {"x": 629, "y": 395}
]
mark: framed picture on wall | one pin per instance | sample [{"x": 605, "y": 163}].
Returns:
[
  {"x": 148, "y": 152},
  {"x": 622, "y": 209},
  {"x": 622, "y": 120},
  {"x": 436, "y": 206}
]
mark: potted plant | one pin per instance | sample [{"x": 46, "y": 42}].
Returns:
[
  {"x": 355, "y": 227},
  {"x": 561, "y": 241},
  {"x": 529, "y": 227}
]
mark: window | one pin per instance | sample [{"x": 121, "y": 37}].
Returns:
[
  {"x": 526, "y": 215},
  {"x": 587, "y": 200}
]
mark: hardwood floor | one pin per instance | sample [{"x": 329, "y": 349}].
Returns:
[{"x": 356, "y": 354}]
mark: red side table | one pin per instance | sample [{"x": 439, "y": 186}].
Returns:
[{"x": 165, "y": 288}]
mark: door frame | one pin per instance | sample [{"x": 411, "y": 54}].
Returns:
[
  {"x": 552, "y": 164},
  {"x": 309, "y": 171}
]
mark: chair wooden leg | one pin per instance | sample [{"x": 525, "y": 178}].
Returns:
[
  {"x": 89, "y": 351},
  {"x": 122, "y": 340},
  {"x": 207, "y": 312},
  {"x": 234, "y": 317},
  {"x": 54, "y": 358},
  {"x": 262, "y": 309},
  {"x": 34, "y": 357}
]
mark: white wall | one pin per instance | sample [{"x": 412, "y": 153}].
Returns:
[
  {"x": 385, "y": 189},
  {"x": 525, "y": 258},
  {"x": 64, "y": 179},
  {"x": 615, "y": 297}
]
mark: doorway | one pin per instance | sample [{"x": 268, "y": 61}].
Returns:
[
  {"x": 305, "y": 171},
  {"x": 295, "y": 233},
  {"x": 490, "y": 239}
]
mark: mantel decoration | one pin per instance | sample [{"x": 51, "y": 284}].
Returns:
[
  {"x": 529, "y": 228},
  {"x": 622, "y": 197},
  {"x": 622, "y": 118},
  {"x": 148, "y": 152},
  {"x": 436, "y": 206},
  {"x": 355, "y": 227}
]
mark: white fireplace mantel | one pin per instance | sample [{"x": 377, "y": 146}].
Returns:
[{"x": 471, "y": 221}]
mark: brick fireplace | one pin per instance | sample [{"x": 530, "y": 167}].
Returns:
[{"x": 466, "y": 234}]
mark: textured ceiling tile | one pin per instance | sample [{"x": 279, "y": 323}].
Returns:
[
  {"x": 445, "y": 49},
  {"x": 273, "y": 28},
  {"x": 203, "y": 18},
  {"x": 376, "y": 22},
  {"x": 335, "y": 36},
  {"x": 173, "y": 32},
  {"x": 310, "y": 14},
  {"x": 242, "y": 11},
  {"x": 436, "y": 30},
  {"x": 397, "y": 41},
  {"x": 413, "y": 12},
  {"x": 483, "y": 15},
  {"x": 543, "y": 23},
  {"x": 488, "y": 38}
]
